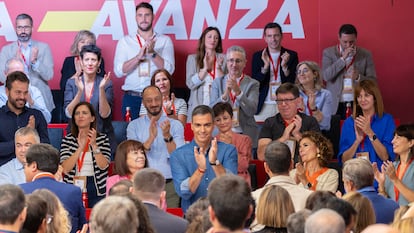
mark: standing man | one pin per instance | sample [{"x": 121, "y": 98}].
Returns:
[
  {"x": 240, "y": 91},
  {"x": 15, "y": 115},
  {"x": 36, "y": 55},
  {"x": 160, "y": 135},
  {"x": 197, "y": 163},
  {"x": 13, "y": 171},
  {"x": 272, "y": 66},
  {"x": 138, "y": 56},
  {"x": 343, "y": 65}
]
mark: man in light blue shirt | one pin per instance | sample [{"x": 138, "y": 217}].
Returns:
[
  {"x": 160, "y": 135},
  {"x": 13, "y": 171}
]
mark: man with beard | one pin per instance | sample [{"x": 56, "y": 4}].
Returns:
[
  {"x": 138, "y": 56},
  {"x": 15, "y": 115},
  {"x": 160, "y": 135},
  {"x": 37, "y": 58}
]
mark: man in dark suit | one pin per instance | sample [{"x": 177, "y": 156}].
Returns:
[
  {"x": 42, "y": 162},
  {"x": 149, "y": 185},
  {"x": 272, "y": 66},
  {"x": 240, "y": 91}
]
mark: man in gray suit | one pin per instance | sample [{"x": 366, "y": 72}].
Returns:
[
  {"x": 344, "y": 65},
  {"x": 37, "y": 58},
  {"x": 241, "y": 91}
]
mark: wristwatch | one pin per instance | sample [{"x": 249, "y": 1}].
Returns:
[
  {"x": 216, "y": 163},
  {"x": 373, "y": 138},
  {"x": 309, "y": 185},
  {"x": 97, "y": 151},
  {"x": 170, "y": 139},
  {"x": 154, "y": 55}
]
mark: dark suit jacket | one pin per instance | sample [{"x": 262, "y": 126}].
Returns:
[
  {"x": 164, "y": 222},
  {"x": 247, "y": 103},
  {"x": 264, "y": 79},
  {"x": 70, "y": 196}
]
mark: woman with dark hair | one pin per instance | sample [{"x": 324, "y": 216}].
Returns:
[
  {"x": 72, "y": 65},
  {"x": 312, "y": 172},
  {"x": 130, "y": 157},
  {"x": 203, "y": 67},
  {"x": 368, "y": 133},
  {"x": 85, "y": 154},
  {"x": 94, "y": 89},
  {"x": 396, "y": 179},
  {"x": 175, "y": 108}
]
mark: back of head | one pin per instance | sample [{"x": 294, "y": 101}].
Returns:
[
  {"x": 364, "y": 208},
  {"x": 278, "y": 157},
  {"x": 296, "y": 221},
  {"x": 405, "y": 225},
  {"x": 148, "y": 184},
  {"x": 120, "y": 187},
  {"x": 36, "y": 214},
  {"x": 318, "y": 199},
  {"x": 381, "y": 228},
  {"x": 114, "y": 214},
  {"x": 196, "y": 209},
  {"x": 359, "y": 171},
  {"x": 45, "y": 156},
  {"x": 12, "y": 203},
  {"x": 325, "y": 221},
  {"x": 343, "y": 208},
  {"x": 14, "y": 64},
  {"x": 230, "y": 198}
]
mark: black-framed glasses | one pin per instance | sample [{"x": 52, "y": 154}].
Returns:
[
  {"x": 25, "y": 28},
  {"x": 286, "y": 101}
]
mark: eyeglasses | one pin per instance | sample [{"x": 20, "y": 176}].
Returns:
[
  {"x": 237, "y": 61},
  {"x": 25, "y": 28},
  {"x": 286, "y": 101},
  {"x": 303, "y": 71}
]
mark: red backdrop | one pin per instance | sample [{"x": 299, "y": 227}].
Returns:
[{"x": 309, "y": 27}]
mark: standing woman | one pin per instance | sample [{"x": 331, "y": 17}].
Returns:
[
  {"x": 317, "y": 101},
  {"x": 368, "y": 133},
  {"x": 175, "y": 108},
  {"x": 313, "y": 173},
  {"x": 396, "y": 179},
  {"x": 94, "y": 89},
  {"x": 85, "y": 153},
  {"x": 203, "y": 67},
  {"x": 72, "y": 64}
]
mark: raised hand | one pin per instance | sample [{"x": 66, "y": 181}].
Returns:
[
  {"x": 265, "y": 58},
  {"x": 226, "y": 137},
  {"x": 212, "y": 154},
  {"x": 105, "y": 80},
  {"x": 79, "y": 83},
  {"x": 32, "y": 122},
  {"x": 82, "y": 139},
  {"x": 364, "y": 124},
  {"x": 300, "y": 172},
  {"x": 165, "y": 127},
  {"x": 200, "y": 158},
  {"x": 297, "y": 121},
  {"x": 92, "y": 136},
  {"x": 285, "y": 59},
  {"x": 153, "y": 128},
  {"x": 389, "y": 170},
  {"x": 33, "y": 55},
  {"x": 378, "y": 175}
]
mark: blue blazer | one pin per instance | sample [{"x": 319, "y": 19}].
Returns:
[{"x": 70, "y": 196}]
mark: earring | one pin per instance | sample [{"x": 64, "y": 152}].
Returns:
[
  {"x": 99, "y": 70},
  {"x": 318, "y": 155}
]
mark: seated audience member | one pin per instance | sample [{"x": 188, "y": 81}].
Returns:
[
  {"x": 34, "y": 97},
  {"x": 358, "y": 175},
  {"x": 13, "y": 171},
  {"x": 72, "y": 65},
  {"x": 198, "y": 217},
  {"x": 396, "y": 179},
  {"x": 85, "y": 154},
  {"x": 60, "y": 222},
  {"x": 230, "y": 203},
  {"x": 273, "y": 210},
  {"x": 149, "y": 187},
  {"x": 42, "y": 162},
  {"x": 120, "y": 187},
  {"x": 289, "y": 124},
  {"x": 240, "y": 91},
  {"x": 365, "y": 212},
  {"x": 223, "y": 120},
  {"x": 380, "y": 228},
  {"x": 278, "y": 163},
  {"x": 312, "y": 172},
  {"x": 317, "y": 101},
  {"x": 325, "y": 221},
  {"x": 15, "y": 114},
  {"x": 346, "y": 210},
  {"x": 173, "y": 107},
  {"x": 114, "y": 214},
  {"x": 12, "y": 208},
  {"x": 194, "y": 165},
  {"x": 296, "y": 221},
  {"x": 318, "y": 199},
  {"x": 37, "y": 217},
  {"x": 130, "y": 157},
  {"x": 368, "y": 133}
]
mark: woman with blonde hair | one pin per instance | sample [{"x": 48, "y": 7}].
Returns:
[
  {"x": 58, "y": 217},
  {"x": 274, "y": 207},
  {"x": 405, "y": 225},
  {"x": 366, "y": 213}
]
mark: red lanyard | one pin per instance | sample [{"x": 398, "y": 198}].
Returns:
[
  {"x": 233, "y": 97},
  {"x": 213, "y": 72},
  {"x": 275, "y": 68},
  {"x": 82, "y": 158},
  {"x": 352, "y": 61},
  {"x": 88, "y": 97},
  {"x": 313, "y": 179},
  {"x": 21, "y": 53},
  {"x": 139, "y": 41},
  {"x": 308, "y": 105},
  {"x": 396, "y": 191}
]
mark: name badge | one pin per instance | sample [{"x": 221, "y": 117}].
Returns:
[
  {"x": 235, "y": 119},
  {"x": 273, "y": 88},
  {"x": 144, "y": 69},
  {"x": 80, "y": 181},
  {"x": 363, "y": 155},
  {"x": 348, "y": 83}
]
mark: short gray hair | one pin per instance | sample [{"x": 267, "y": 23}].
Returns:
[
  {"x": 24, "y": 131},
  {"x": 325, "y": 221},
  {"x": 359, "y": 171},
  {"x": 236, "y": 48}
]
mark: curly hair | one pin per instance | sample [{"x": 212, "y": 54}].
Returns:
[{"x": 323, "y": 144}]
